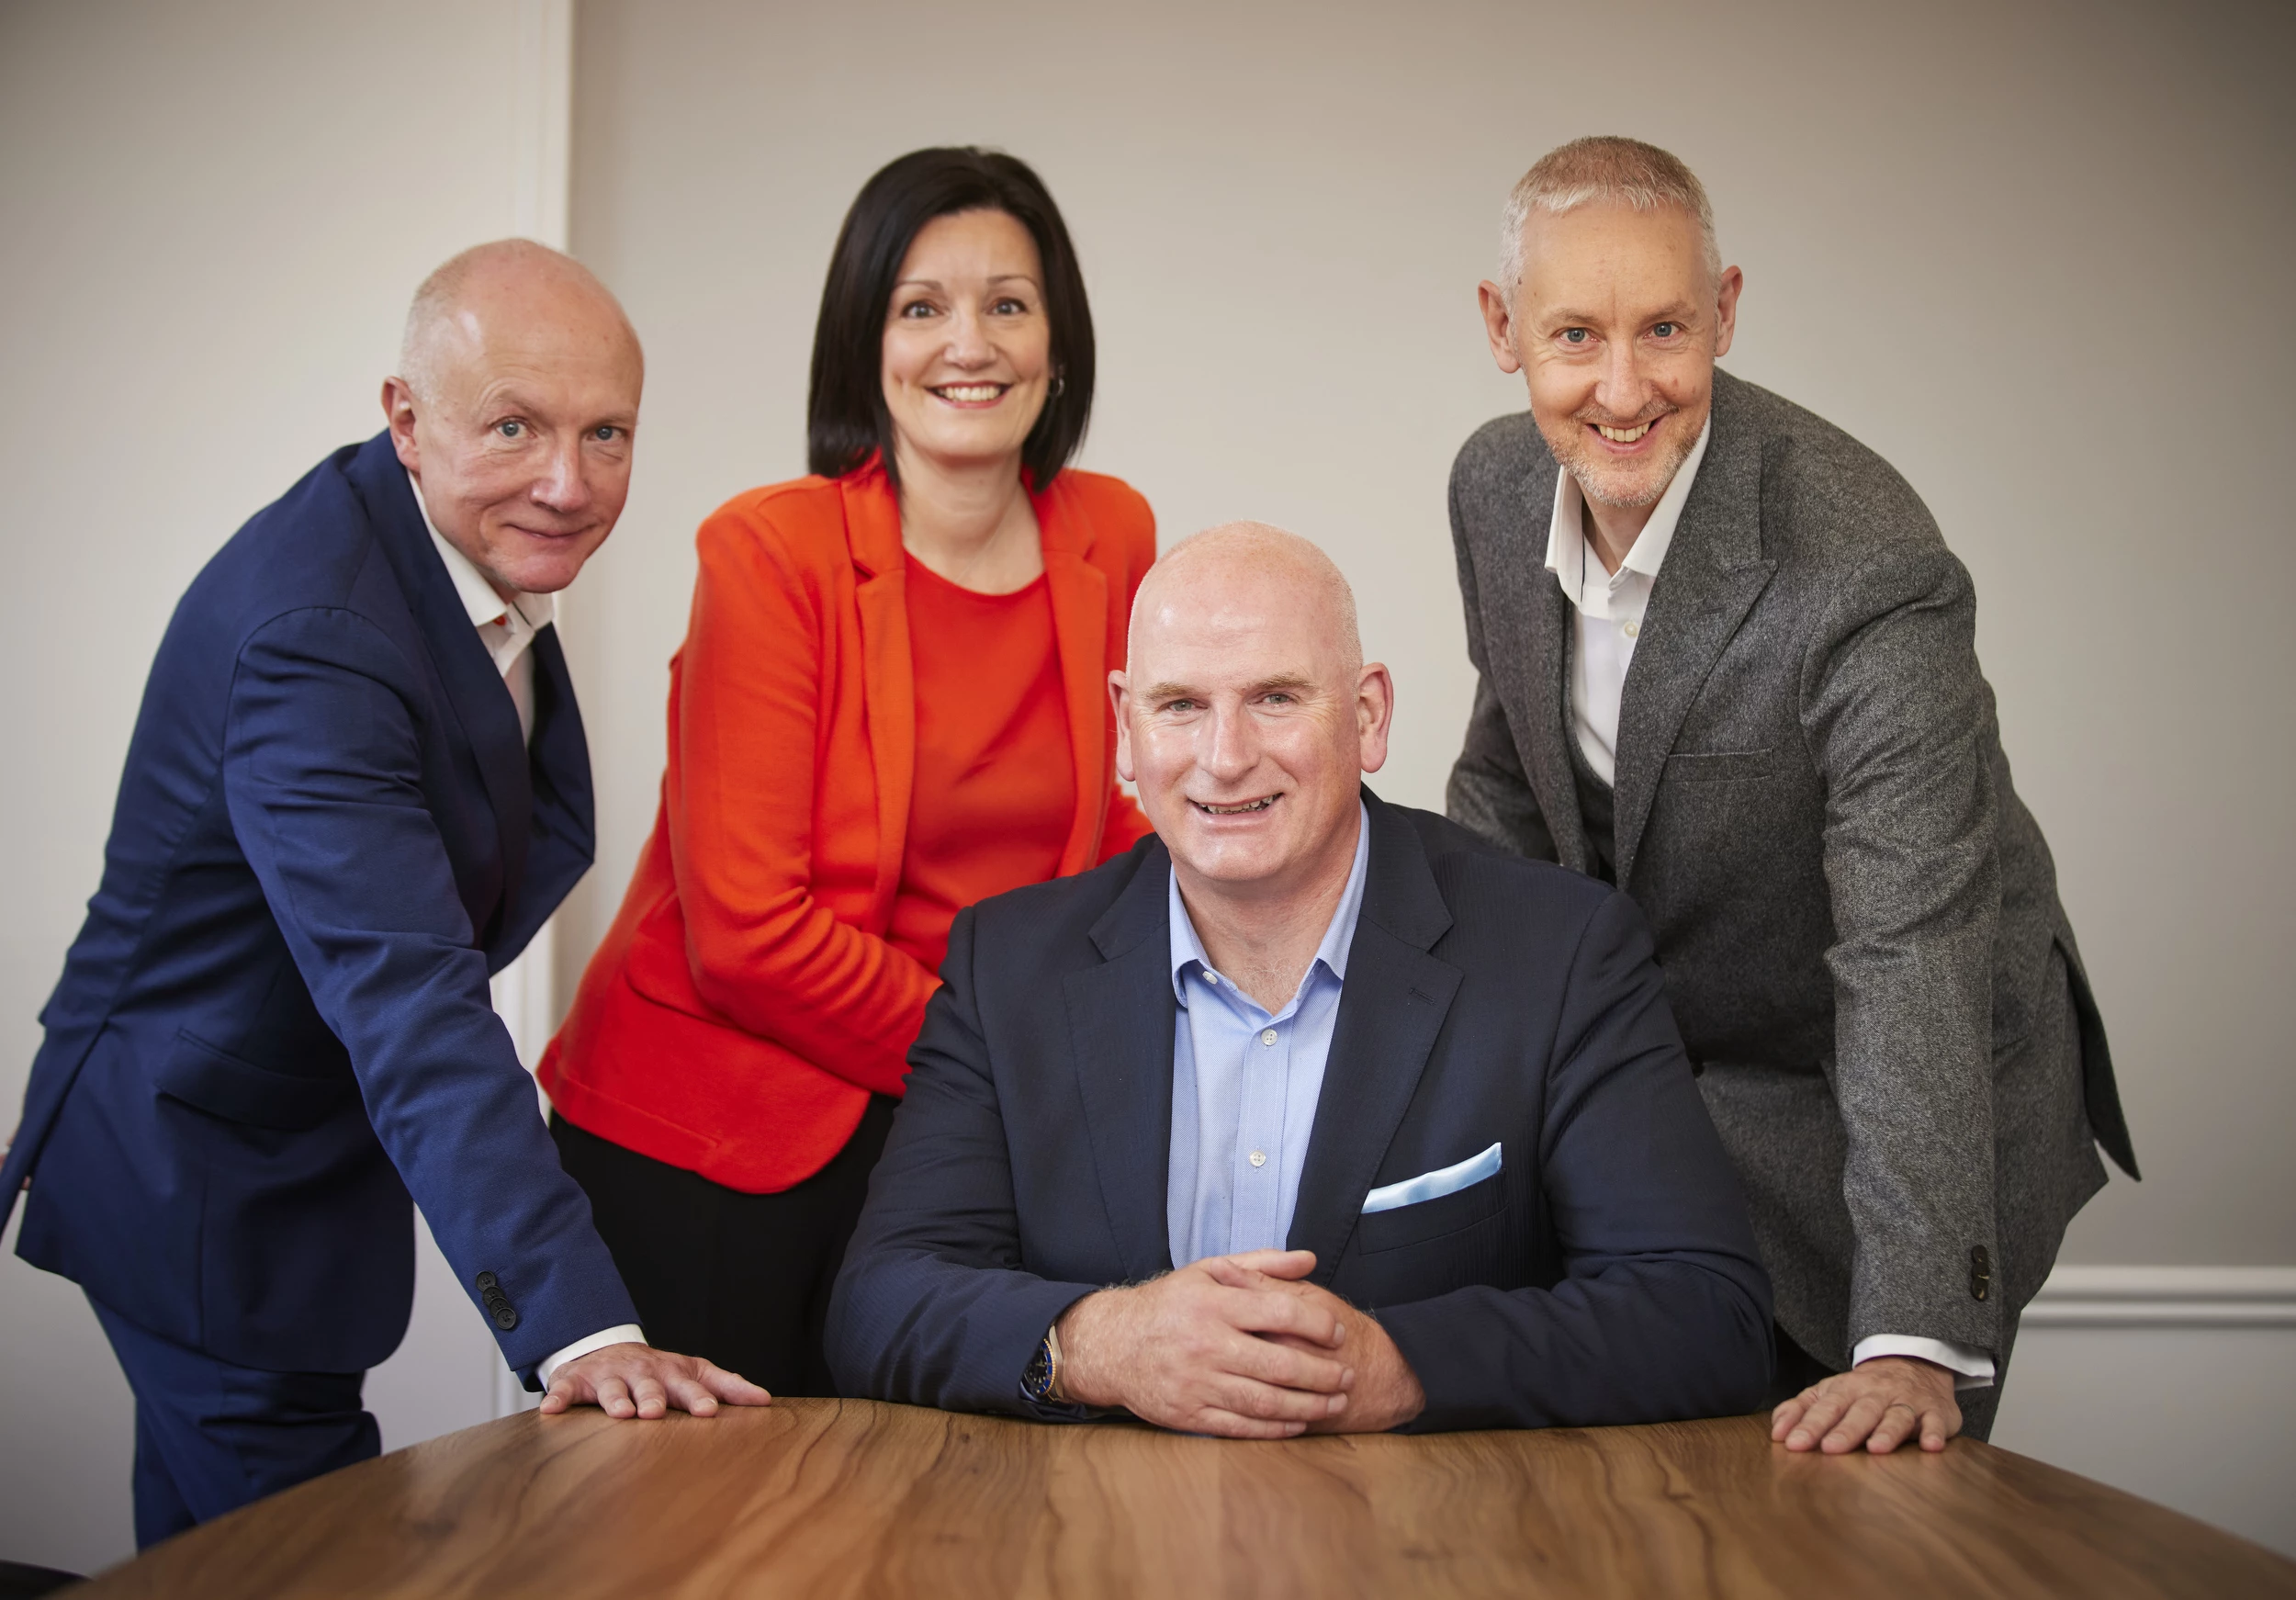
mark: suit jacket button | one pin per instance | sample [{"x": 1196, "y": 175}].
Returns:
[
  {"x": 1980, "y": 1272},
  {"x": 505, "y": 1318},
  {"x": 487, "y": 1281}
]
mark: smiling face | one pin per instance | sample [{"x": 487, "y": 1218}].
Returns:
[
  {"x": 1247, "y": 714},
  {"x": 967, "y": 342},
  {"x": 521, "y": 435},
  {"x": 1616, "y": 327}
]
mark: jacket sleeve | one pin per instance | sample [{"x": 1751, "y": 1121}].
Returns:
[
  {"x": 1663, "y": 1309},
  {"x": 931, "y": 1307},
  {"x": 322, "y": 777},
  {"x": 1489, "y": 794},
  {"x": 742, "y": 806},
  {"x": 1898, "y": 719}
]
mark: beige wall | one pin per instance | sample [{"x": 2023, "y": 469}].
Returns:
[
  {"x": 2036, "y": 255},
  {"x": 211, "y": 218}
]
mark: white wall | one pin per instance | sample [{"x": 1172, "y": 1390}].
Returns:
[
  {"x": 211, "y": 219},
  {"x": 2036, "y": 254}
]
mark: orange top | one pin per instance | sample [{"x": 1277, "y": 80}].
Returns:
[
  {"x": 750, "y": 994},
  {"x": 994, "y": 787}
]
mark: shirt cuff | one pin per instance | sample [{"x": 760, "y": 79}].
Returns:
[
  {"x": 631, "y": 1334},
  {"x": 1971, "y": 1367}
]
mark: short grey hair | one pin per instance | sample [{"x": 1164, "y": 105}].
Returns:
[{"x": 1605, "y": 167}]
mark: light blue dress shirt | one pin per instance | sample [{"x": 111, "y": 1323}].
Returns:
[{"x": 1244, "y": 1084}]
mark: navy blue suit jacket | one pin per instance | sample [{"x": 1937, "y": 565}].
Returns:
[
  {"x": 274, "y": 1023},
  {"x": 1606, "y": 1274}
]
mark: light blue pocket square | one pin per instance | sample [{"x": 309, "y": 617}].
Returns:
[{"x": 1433, "y": 1184}]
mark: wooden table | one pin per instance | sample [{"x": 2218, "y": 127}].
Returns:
[{"x": 818, "y": 1497}]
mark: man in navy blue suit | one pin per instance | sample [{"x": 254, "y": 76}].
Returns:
[
  {"x": 1312, "y": 1111},
  {"x": 357, "y": 787}
]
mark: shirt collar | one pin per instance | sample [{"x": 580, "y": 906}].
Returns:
[
  {"x": 1566, "y": 539},
  {"x": 480, "y": 601},
  {"x": 1337, "y": 936}
]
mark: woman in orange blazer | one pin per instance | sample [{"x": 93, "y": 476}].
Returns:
[{"x": 891, "y": 701}]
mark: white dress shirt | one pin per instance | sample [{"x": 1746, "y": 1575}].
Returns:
[
  {"x": 1607, "y": 610},
  {"x": 506, "y": 627}
]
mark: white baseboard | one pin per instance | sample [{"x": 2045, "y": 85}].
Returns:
[
  {"x": 2177, "y": 1383},
  {"x": 2165, "y": 1297}
]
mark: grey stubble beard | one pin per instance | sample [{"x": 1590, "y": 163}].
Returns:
[{"x": 1586, "y": 466}]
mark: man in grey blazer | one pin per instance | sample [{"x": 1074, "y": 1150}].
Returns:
[{"x": 1726, "y": 662}]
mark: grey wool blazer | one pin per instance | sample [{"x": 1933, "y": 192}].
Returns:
[{"x": 1857, "y": 919}]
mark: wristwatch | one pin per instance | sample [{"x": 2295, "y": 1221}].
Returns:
[{"x": 1041, "y": 1380}]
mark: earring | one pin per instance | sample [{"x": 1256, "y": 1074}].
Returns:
[{"x": 1060, "y": 386}]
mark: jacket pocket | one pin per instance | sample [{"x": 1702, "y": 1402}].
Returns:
[
  {"x": 1719, "y": 766},
  {"x": 1415, "y": 1224},
  {"x": 217, "y": 1082}
]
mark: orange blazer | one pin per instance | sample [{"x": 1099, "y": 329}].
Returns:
[{"x": 746, "y": 1004}]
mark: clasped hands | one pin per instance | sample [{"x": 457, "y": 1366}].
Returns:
[{"x": 1238, "y": 1346}]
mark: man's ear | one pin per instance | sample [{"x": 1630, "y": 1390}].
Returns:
[
  {"x": 1375, "y": 715},
  {"x": 399, "y": 406},
  {"x": 1123, "y": 727},
  {"x": 1498, "y": 325},
  {"x": 1725, "y": 310}
]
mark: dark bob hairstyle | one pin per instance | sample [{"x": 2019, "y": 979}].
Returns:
[{"x": 846, "y": 421}]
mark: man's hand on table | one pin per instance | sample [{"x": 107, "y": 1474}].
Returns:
[
  {"x": 1225, "y": 1345},
  {"x": 626, "y": 1379},
  {"x": 1878, "y": 1403}
]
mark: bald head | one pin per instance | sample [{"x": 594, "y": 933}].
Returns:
[
  {"x": 1256, "y": 564},
  {"x": 514, "y": 411},
  {"x": 1247, "y": 716},
  {"x": 448, "y": 321}
]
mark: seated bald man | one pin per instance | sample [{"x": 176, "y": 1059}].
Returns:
[
  {"x": 357, "y": 787},
  {"x": 1310, "y": 1112}
]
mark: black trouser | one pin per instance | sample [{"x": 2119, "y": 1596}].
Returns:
[
  {"x": 741, "y": 1279},
  {"x": 1799, "y": 1369}
]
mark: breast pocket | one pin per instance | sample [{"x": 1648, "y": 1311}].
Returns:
[
  {"x": 1719, "y": 766},
  {"x": 1416, "y": 1222}
]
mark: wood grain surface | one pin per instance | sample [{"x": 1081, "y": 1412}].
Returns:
[{"x": 820, "y": 1497}]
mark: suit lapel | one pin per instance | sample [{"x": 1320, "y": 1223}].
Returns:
[
  {"x": 1527, "y": 624},
  {"x": 475, "y": 691},
  {"x": 872, "y": 532},
  {"x": 564, "y": 833},
  {"x": 560, "y": 747},
  {"x": 1548, "y": 761},
  {"x": 1120, "y": 1016},
  {"x": 1391, "y": 1010},
  {"x": 1712, "y": 574},
  {"x": 1079, "y": 594}
]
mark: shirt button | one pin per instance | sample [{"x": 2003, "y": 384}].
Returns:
[
  {"x": 1267, "y": 1036},
  {"x": 1632, "y": 629},
  {"x": 1259, "y": 1159},
  {"x": 1212, "y": 978}
]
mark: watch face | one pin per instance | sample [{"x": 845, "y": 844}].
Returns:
[{"x": 1037, "y": 1382}]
